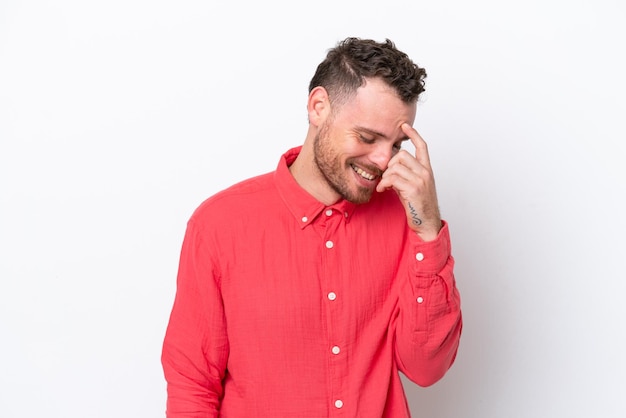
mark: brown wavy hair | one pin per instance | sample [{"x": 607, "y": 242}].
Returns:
[{"x": 353, "y": 60}]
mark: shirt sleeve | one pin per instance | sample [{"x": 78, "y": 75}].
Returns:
[
  {"x": 195, "y": 348},
  {"x": 429, "y": 323}
]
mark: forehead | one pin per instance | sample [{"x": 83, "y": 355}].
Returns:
[{"x": 377, "y": 106}]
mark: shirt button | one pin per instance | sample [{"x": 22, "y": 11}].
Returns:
[
  {"x": 335, "y": 350},
  {"x": 329, "y": 244},
  {"x": 346, "y": 214},
  {"x": 419, "y": 256},
  {"x": 304, "y": 219},
  {"x": 329, "y": 212},
  {"x": 338, "y": 403},
  {"x": 420, "y": 299},
  {"x": 332, "y": 296}
]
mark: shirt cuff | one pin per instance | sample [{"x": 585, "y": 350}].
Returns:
[{"x": 430, "y": 257}]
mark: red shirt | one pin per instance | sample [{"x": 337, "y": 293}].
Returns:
[{"x": 288, "y": 308}]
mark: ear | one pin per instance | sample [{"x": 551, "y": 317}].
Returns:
[{"x": 318, "y": 105}]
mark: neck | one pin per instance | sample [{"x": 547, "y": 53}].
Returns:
[{"x": 308, "y": 176}]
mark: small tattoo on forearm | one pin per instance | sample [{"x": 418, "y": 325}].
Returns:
[{"x": 414, "y": 218}]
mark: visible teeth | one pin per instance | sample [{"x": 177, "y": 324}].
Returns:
[{"x": 363, "y": 174}]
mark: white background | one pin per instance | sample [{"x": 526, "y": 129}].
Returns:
[{"x": 118, "y": 118}]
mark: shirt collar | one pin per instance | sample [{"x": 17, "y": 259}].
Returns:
[{"x": 304, "y": 207}]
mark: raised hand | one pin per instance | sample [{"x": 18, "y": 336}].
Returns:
[{"x": 412, "y": 178}]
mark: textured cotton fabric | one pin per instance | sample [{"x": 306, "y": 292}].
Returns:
[{"x": 286, "y": 307}]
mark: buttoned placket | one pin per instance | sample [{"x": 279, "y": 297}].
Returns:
[{"x": 331, "y": 221}]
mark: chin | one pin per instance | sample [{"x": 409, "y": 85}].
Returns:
[{"x": 360, "y": 198}]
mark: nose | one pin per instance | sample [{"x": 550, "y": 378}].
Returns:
[{"x": 381, "y": 155}]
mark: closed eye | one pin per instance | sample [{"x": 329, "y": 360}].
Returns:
[
  {"x": 398, "y": 145},
  {"x": 366, "y": 140}
]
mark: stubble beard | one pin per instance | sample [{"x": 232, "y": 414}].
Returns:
[{"x": 334, "y": 171}]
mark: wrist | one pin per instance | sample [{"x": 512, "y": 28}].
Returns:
[{"x": 428, "y": 231}]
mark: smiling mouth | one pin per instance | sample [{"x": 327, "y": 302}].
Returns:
[{"x": 363, "y": 173}]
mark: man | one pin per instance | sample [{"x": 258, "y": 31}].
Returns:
[{"x": 305, "y": 291}]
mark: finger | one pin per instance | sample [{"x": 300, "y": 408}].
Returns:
[
  {"x": 421, "y": 148},
  {"x": 401, "y": 173},
  {"x": 404, "y": 159},
  {"x": 405, "y": 165}
]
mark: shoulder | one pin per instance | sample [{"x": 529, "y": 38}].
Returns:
[{"x": 238, "y": 197}]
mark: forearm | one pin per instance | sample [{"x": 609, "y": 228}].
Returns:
[
  {"x": 429, "y": 323},
  {"x": 193, "y": 386},
  {"x": 195, "y": 347}
]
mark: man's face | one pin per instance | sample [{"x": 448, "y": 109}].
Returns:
[{"x": 353, "y": 146}]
